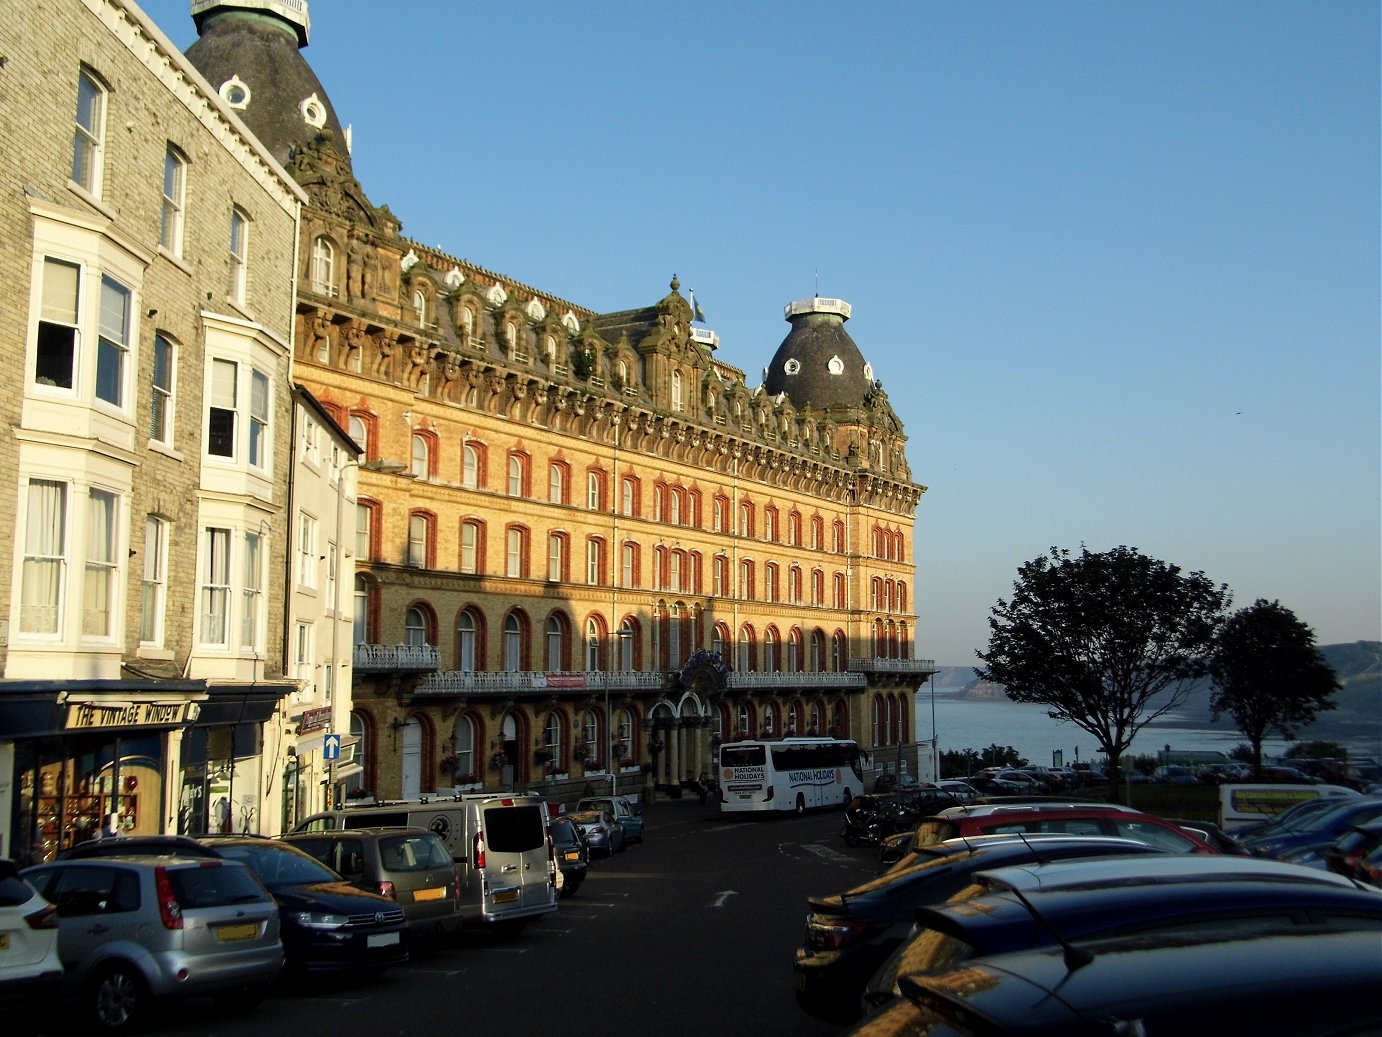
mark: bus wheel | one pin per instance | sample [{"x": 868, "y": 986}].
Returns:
[{"x": 801, "y": 804}]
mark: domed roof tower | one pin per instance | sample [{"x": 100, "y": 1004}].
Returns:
[
  {"x": 818, "y": 364},
  {"x": 250, "y": 52}
]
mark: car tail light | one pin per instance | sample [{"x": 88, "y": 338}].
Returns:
[
  {"x": 477, "y": 855},
  {"x": 387, "y": 889},
  {"x": 831, "y": 932},
  {"x": 46, "y": 917},
  {"x": 169, "y": 910},
  {"x": 768, "y": 797}
]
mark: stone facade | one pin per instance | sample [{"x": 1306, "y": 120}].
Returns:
[
  {"x": 586, "y": 548},
  {"x": 121, "y": 178}
]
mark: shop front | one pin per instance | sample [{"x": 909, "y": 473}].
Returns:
[{"x": 104, "y": 759}]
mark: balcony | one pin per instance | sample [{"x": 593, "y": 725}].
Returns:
[
  {"x": 918, "y": 666},
  {"x": 472, "y": 682},
  {"x": 395, "y": 658},
  {"x": 748, "y": 680}
]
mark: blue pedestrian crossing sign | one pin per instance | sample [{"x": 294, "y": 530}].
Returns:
[{"x": 331, "y": 747}]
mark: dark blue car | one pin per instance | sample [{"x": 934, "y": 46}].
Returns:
[{"x": 1320, "y": 829}]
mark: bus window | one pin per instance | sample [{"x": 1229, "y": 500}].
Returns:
[{"x": 743, "y": 755}]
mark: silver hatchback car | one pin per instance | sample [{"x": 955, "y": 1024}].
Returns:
[{"x": 133, "y": 929}]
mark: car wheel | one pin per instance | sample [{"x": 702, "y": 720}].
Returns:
[
  {"x": 118, "y": 998},
  {"x": 801, "y": 804}
]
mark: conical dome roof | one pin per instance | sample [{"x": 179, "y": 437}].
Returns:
[
  {"x": 249, "y": 50},
  {"x": 818, "y": 363}
]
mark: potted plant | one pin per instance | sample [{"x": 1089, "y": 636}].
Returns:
[
  {"x": 449, "y": 762},
  {"x": 498, "y": 761},
  {"x": 580, "y": 751},
  {"x": 542, "y": 755}
]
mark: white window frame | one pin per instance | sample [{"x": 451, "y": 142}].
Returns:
[
  {"x": 307, "y": 551},
  {"x": 421, "y": 459},
  {"x": 214, "y": 591},
  {"x": 174, "y": 201},
  {"x": 153, "y": 595},
  {"x": 252, "y": 592},
  {"x": 88, "y": 142},
  {"x": 470, "y": 547},
  {"x": 59, "y": 342},
  {"x": 556, "y": 556},
  {"x": 594, "y": 561},
  {"x": 239, "y": 250},
  {"x": 44, "y": 578},
  {"x": 470, "y": 467},
  {"x": 513, "y": 554},
  {"x": 102, "y": 573},
  {"x": 323, "y": 266},
  {"x": 162, "y": 381},
  {"x": 259, "y": 445},
  {"x": 556, "y": 483}
]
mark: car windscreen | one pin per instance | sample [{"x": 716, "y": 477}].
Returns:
[
  {"x": 414, "y": 852},
  {"x": 278, "y": 865},
  {"x": 514, "y": 829},
  {"x": 214, "y": 885},
  {"x": 563, "y": 831}
]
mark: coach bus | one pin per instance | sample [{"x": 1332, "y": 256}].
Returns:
[{"x": 790, "y": 774}]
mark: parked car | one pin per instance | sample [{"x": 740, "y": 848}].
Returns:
[
  {"x": 625, "y": 811},
  {"x": 499, "y": 842},
  {"x": 603, "y": 834},
  {"x": 573, "y": 854},
  {"x": 1348, "y": 852},
  {"x": 1014, "y": 908},
  {"x": 959, "y": 791},
  {"x": 133, "y": 929},
  {"x": 408, "y": 865},
  {"x": 328, "y": 924},
  {"x": 849, "y": 935},
  {"x": 137, "y": 846},
  {"x": 1320, "y": 829},
  {"x": 1212, "y": 834},
  {"x": 1299, "y": 984},
  {"x": 1174, "y": 774},
  {"x": 1069, "y": 818},
  {"x": 1294, "y": 816},
  {"x": 30, "y": 968}
]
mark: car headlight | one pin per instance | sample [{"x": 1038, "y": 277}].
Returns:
[{"x": 320, "y": 920}]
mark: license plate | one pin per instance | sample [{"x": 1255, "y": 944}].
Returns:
[
  {"x": 231, "y": 933},
  {"x": 507, "y": 896},
  {"x": 435, "y": 893},
  {"x": 572, "y": 855},
  {"x": 382, "y": 940}
]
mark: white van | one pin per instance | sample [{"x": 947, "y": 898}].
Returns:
[
  {"x": 503, "y": 851},
  {"x": 1245, "y": 804}
]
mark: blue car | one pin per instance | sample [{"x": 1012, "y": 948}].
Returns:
[
  {"x": 1320, "y": 829},
  {"x": 624, "y": 811}
]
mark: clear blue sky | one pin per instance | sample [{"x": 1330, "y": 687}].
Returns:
[{"x": 1117, "y": 264}]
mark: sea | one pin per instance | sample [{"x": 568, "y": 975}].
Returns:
[{"x": 959, "y": 723}]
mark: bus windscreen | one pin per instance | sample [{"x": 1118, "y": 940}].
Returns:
[{"x": 743, "y": 756}]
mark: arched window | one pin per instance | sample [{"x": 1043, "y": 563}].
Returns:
[
  {"x": 463, "y": 745},
  {"x": 770, "y": 580},
  {"x": 556, "y": 644},
  {"x": 362, "y": 609},
  {"x": 718, "y": 636},
  {"x": 743, "y": 721},
  {"x": 746, "y": 579},
  {"x": 678, "y": 404},
  {"x": 595, "y": 491},
  {"x": 839, "y": 659},
  {"x": 513, "y": 644},
  {"x": 466, "y": 642},
  {"x": 745, "y": 660},
  {"x": 556, "y": 483},
  {"x": 793, "y": 727},
  {"x": 472, "y": 547},
  {"x": 552, "y": 740},
  {"x": 422, "y": 457},
  {"x": 323, "y": 266},
  {"x": 770, "y": 524},
  {"x": 414, "y": 627},
  {"x": 515, "y": 552},
  {"x": 627, "y": 634},
  {"x": 817, "y": 661},
  {"x": 877, "y": 729},
  {"x": 419, "y": 540},
  {"x": 470, "y": 467},
  {"x": 794, "y": 651},
  {"x": 770, "y": 657},
  {"x": 360, "y": 432},
  {"x": 630, "y": 497},
  {"x": 593, "y": 641},
  {"x": 556, "y": 557},
  {"x": 516, "y": 476}
]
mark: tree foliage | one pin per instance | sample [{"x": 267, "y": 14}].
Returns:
[
  {"x": 1268, "y": 675},
  {"x": 963, "y": 762},
  {"x": 1109, "y": 641}
]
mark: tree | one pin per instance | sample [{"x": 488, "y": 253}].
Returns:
[
  {"x": 1268, "y": 675},
  {"x": 1109, "y": 641}
]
